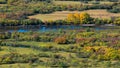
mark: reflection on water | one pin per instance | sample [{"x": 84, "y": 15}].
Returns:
[{"x": 44, "y": 28}]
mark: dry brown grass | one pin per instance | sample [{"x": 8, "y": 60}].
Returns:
[
  {"x": 3, "y": 5},
  {"x": 63, "y": 14},
  {"x": 79, "y": 2},
  {"x": 67, "y": 2}
]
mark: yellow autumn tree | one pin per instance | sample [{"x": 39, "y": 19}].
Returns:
[
  {"x": 78, "y": 18},
  {"x": 70, "y": 18},
  {"x": 84, "y": 18}
]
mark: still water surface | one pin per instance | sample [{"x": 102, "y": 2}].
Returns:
[{"x": 44, "y": 28}]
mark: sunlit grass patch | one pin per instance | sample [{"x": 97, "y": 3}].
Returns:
[{"x": 63, "y": 15}]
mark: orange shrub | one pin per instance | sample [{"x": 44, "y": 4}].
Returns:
[{"x": 60, "y": 40}]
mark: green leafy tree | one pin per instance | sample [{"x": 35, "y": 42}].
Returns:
[{"x": 117, "y": 21}]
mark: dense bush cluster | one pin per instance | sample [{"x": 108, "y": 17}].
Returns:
[
  {"x": 65, "y": 48},
  {"x": 82, "y": 37},
  {"x": 115, "y": 9},
  {"x": 16, "y": 58}
]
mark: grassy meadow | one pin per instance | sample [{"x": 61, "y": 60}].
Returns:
[
  {"x": 63, "y": 14},
  {"x": 79, "y": 2},
  {"x": 67, "y": 2}
]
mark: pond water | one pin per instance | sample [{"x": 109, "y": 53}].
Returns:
[{"x": 44, "y": 28}]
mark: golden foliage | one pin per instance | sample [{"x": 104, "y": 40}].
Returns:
[
  {"x": 78, "y": 18},
  {"x": 70, "y": 17},
  {"x": 117, "y": 21}
]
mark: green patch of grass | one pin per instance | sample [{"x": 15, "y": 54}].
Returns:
[
  {"x": 8, "y": 49},
  {"x": 3, "y": 52},
  {"x": 33, "y": 43},
  {"x": 30, "y": 50},
  {"x": 21, "y": 65}
]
